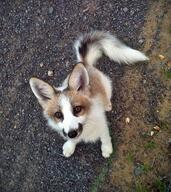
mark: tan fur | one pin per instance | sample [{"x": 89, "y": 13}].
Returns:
[
  {"x": 78, "y": 99},
  {"x": 51, "y": 107},
  {"x": 96, "y": 85}
]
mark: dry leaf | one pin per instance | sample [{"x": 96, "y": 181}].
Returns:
[
  {"x": 157, "y": 128},
  {"x": 161, "y": 57}
]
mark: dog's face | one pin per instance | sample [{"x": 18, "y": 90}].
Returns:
[{"x": 66, "y": 110}]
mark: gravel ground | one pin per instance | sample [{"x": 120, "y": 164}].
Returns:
[{"x": 37, "y": 36}]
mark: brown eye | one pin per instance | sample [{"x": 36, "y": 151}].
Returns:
[
  {"x": 59, "y": 115},
  {"x": 77, "y": 110}
]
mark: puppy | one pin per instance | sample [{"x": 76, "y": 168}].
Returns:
[{"x": 77, "y": 109}]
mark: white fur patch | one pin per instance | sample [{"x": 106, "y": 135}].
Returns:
[
  {"x": 68, "y": 148},
  {"x": 94, "y": 53},
  {"x": 110, "y": 46},
  {"x": 121, "y": 53},
  {"x": 70, "y": 121}
]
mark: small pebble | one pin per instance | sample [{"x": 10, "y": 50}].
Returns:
[
  {"x": 151, "y": 133},
  {"x": 144, "y": 81},
  {"x": 51, "y": 10},
  {"x": 138, "y": 170},
  {"x": 127, "y": 120},
  {"x": 132, "y": 12},
  {"x": 41, "y": 64},
  {"x": 125, "y": 9},
  {"x": 50, "y": 73},
  {"x": 141, "y": 41}
]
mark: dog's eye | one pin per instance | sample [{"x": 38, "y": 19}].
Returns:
[
  {"x": 59, "y": 115},
  {"x": 77, "y": 109}
]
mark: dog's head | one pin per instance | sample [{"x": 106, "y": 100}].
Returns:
[{"x": 67, "y": 109}]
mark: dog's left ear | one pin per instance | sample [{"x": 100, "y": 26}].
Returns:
[
  {"x": 42, "y": 90},
  {"x": 79, "y": 78}
]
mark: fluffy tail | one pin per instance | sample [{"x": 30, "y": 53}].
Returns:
[{"x": 91, "y": 46}]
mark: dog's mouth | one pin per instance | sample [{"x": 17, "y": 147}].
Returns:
[
  {"x": 80, "y": 129},
  {"x": 73, "y": 134}
]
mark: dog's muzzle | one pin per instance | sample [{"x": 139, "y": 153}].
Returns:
[{"x": 74, "y": 132}]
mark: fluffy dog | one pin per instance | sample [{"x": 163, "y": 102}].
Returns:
[{"x": 77, "y": 109}]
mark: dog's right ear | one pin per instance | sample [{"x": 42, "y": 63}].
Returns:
[
  {"x": 79, "y": 78},
  {"x": 42, "y": 90}
]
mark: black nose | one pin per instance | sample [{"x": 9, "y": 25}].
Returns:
[{"x": 72, "y": 134}]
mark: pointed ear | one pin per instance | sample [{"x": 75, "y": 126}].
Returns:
[
  {"x": 42, "y": 90},
  {"x": 79, "y": 78}
]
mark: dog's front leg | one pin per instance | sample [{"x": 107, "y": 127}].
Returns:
[
  {"x": 69, "y": 148},
  {"x": 106, "y": 146}
]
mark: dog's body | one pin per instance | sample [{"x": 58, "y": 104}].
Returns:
[{"x": 77, "y": 108}]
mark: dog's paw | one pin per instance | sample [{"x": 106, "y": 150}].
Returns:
[
  {"x": 68, "y": 148},
  {"x": 108, "y": 107},
  {"x": 107, "y": 150}
]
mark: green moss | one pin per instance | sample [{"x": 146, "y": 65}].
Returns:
[
  {"x": 168, "y": 74},
  {"x": 146, "y": 167},
  {"x": 160, "y": 185},
  {"x": 140, "y": 188},
  {"x": 129, "y": 157},
  {"x": 150, "y": 145}
]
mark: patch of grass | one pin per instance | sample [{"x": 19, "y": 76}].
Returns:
[
  {"x": 99, "y": 179},
  {"x": 163, "y": 125},
  {"x": 140, "y": 188},
  {"x": 150, "y": 145},
  {"x": 142, "y": 168},
  {"x": 160, "y": 185},
  {"x": 146, "y": 167},
  {"x": 130, "y": 157},
  {"x": 168, "y": 74},
  {"x": 144, "y": 134}
]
